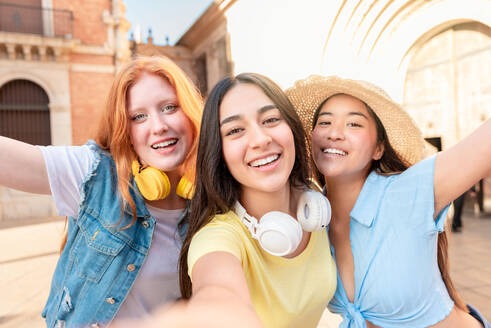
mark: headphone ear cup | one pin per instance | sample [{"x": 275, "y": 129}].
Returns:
[
  {"x": 185, "y": 188},
  {"x": 313, "y": 211},
  {"x": 152, "y": 183},
  {"x": 278, "y": 233}
]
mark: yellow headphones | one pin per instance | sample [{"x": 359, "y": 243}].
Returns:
[{"x": 154, "y": 184}]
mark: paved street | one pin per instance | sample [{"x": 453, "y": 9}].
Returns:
[{"x": 29, "y": 255}]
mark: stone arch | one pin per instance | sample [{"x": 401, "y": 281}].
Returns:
[
  {"x": 415, "y": 29},
  {"x": 19, "y": 75},
  {"x": 374, "y": 39},
  {"x": 25, "y": 112},
  {"x": 446, "y": 86},
  {"x": 56, "y": 87}
]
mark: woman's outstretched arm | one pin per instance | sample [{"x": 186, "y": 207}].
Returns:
[
  {"x": 219, "y": 283},
  {"x": 461, "y": 166},
  {"x": 220, "y": 299},
  {"x": 22, "y": 167}
]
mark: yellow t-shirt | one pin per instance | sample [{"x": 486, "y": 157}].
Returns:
[{"x": 285, "y": 292}]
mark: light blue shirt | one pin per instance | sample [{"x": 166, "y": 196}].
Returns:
[{"x": 394, "y": 244}]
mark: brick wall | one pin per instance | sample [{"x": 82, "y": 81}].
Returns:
[
  {"x": 90, "y": 74},
  {"x": 88, "y": 95},
  {"x": 91, "y": 59},
  {"x": 88, "y": 26}
]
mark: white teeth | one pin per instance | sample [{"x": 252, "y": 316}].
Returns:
[
  {"x": 334, "y": 151},
  {"x": 264, "y": 161},
  {"x": 164, "y": 144}
]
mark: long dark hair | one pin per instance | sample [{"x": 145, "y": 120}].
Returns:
[
  {"x": 391, "y": 163},
  {"x": 216, "y": 189}
]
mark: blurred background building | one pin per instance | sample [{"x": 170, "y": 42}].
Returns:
[{"x": 57, "y": 58}]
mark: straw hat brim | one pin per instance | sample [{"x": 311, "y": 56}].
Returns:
[{"x": 404, "y": 136}]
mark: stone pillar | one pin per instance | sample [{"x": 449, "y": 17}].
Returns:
[{"x": 27, "y": 52}]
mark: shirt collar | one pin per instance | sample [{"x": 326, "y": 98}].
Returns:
[{"x": 368, "y": 202}]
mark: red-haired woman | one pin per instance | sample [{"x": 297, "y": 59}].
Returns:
[{"x": 127, "y": 218}]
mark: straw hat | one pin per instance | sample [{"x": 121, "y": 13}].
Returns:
[{"x": 405, "y": 137}]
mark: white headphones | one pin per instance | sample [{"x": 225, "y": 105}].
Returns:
[{"x": 280, "y": 234}]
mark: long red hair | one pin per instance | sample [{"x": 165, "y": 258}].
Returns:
[
  {"x": 113, "y": 131},
  {"x": 113, "y": 134}
]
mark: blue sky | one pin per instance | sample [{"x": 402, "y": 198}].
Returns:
[{"x": 166, "y": 17}]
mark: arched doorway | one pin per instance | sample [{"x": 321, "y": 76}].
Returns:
[
  {"x": 24, "y": 112},
  {"x": 448, "y": 85}
]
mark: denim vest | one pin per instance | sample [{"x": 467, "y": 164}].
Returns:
[{"x": 100, "y": 263}]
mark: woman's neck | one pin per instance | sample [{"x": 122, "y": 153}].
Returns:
[
  {"x": 258, "y": 203},
  {"x": 171, "y": 202},
  {"x": 342, "y": 194}
]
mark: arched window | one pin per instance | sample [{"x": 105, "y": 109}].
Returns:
[
  {"x": 24, "y": 112},
  {"x": 448, "y": 89}
]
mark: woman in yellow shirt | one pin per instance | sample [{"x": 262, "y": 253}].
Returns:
[{"x": 252, "y": 163}]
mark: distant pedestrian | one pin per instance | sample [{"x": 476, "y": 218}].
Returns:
[{"x": 458, "y": 206}]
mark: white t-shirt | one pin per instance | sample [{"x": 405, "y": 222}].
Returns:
[{"x": 157, "y": 282}]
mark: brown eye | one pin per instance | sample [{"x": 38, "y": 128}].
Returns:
[
  {"x": 234, "y": 131},
  {"x": 354, "y": 125},
  {"x": 271, "y": 120}
]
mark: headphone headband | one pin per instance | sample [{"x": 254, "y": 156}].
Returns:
[{"x": 279, "y": 233}]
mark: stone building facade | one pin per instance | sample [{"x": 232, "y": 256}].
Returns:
[
  {"x": 431, "y": 56},
  {"x": 57, "y": 60},
  {"x": 203, "y": 51},
  {"x": 180, "y": 55},
  {"x": 434, "y": 56}
]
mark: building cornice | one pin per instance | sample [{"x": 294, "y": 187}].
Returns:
[
  {"x": 36, "y": 40},
  {"x": 208, "y": 21}
]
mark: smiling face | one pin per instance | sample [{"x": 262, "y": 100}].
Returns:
[
  {"x": 344, "y": 139},
  {"x": 257, "y": 143},
  {"x": 160, "y": 132}
]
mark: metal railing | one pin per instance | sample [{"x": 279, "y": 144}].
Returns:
[{"x": 36, "y": 20}]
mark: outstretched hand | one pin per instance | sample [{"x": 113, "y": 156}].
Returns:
[{"x": 211, "y": 315}]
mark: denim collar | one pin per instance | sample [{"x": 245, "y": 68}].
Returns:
[{"x": 143, "y": 213}]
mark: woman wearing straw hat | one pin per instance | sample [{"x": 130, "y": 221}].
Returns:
[{"x": 389, "y": 205}]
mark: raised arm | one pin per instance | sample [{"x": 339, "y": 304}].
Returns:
[
  {"x": 22, "y": 167},
  {"x": 463, "y": 165}
]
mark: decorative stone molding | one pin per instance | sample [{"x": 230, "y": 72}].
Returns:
[
  {"x": 93, "y": 68},
  {"x": 56, "y": 47}
]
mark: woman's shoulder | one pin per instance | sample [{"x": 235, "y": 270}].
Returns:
[
  {"x": 225, "y": 226},
  {"x": 419, "y": 175},
  {"x": 228, "y": 220},
  {"x": 222, "y": 233},
  {"x": 97, "y": 149}
]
